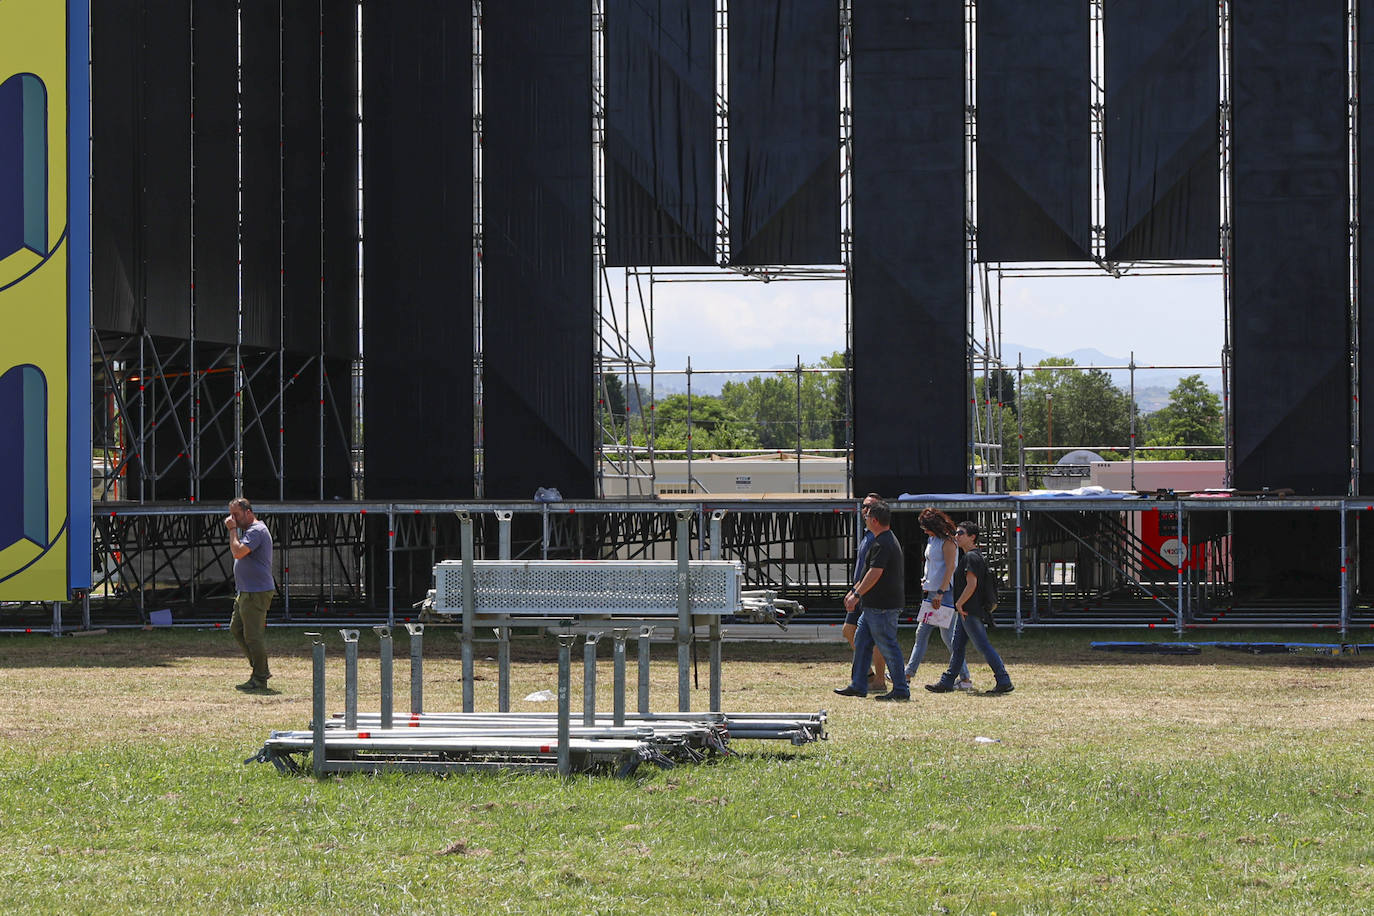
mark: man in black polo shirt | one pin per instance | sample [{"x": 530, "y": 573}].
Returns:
[{"x": 882, "y": 595}]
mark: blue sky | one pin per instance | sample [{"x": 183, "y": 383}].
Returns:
[{"x": 752, "y": 325}]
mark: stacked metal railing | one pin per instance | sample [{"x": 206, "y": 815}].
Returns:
[{"x": 527, "y": 741}]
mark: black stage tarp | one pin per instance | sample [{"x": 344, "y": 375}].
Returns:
[
  {"x": 417, "y": 316},
  {"x": 1163, "y": 171},
  {"x": 301, "y": 161},
  {"x": 1290, "y": 298},
  {"x": 538, "y": 283},
  {"x": 660, "y": 126},
  {"x": 215, "y": 233},
  {"x": 260, "y": 47},
  {"x": 116, "y": 65},
  {"x": 339, "y": 178},
  {"x": 1287, "y": 555},
  {"x": 784, "y": 133},
  {"x": 165, "y": 144},
  {"x": 909, "y": 250},
  {"x": 1034, "y": 184},
  {"x": 1365, "y": 341},
  {"x": 141, "y": 168}
]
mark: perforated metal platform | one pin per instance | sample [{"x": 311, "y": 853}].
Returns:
[{"x": 560, "y": 588}]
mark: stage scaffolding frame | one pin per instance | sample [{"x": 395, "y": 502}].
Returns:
[
  {"x": 1226, "y": 239},
  {"x": 624, "y": 335},
  {"x": 161, "y": 408},
  {"x": 478, "y": 245},
  {"x": 1352, "y": 13},
  {"x": 154, "y": 389},
  {"x": 988, "y": 470},
  {"x": 369, "y": 561},
  {"x": 625, "y": 330}
]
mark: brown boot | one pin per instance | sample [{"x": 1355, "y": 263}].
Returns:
[{"x": 876, "y": 683}]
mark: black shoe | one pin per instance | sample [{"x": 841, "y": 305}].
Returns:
[
  {"x": 251, "y": 684},
  {"x": 893, "y": 696},
  {"x": 939, "y": 687},
  {"x": 850, "y": 692},
  {"x": 1003, "y": 688}
]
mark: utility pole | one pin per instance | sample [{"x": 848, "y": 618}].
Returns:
[{"x": 1049, "y": 424}]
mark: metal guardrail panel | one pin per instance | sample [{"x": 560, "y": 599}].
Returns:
[{"x": 546, "y": 588}]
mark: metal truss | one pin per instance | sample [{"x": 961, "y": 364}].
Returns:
[
  {"x": 1353, "y": 122},
  {"x": 1097, "y": 107},
  {"x": 163, "y": 420},
  {"x": 847, "y": 225},
  {"x": 983, "y": 333},
  {"x": 183, "y": 412},
  {"x": 150, "y": 557},
  {"x": 1227, "y": 242},
  {"x": 808, "y": 557},
  {"x": 174, "y": 414},
  {"x": 989, "y": 467},
  {"x": 1063, "y": 563},
  {"x": 624, "y": 300},
  {"x": 624, "y": 328},
  {"x": 478, "y": 244}
]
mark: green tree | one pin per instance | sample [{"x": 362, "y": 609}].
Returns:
[
  {"x": 611, "y": 399},
  {"x": 996, "y": 397},
  {"x": 769, "y": 404},
  {"x": 621, "y": 421},
  {"x": 1077, "y": 408},
  {"x": 1000, "y": 386},
  {"x": 613, "y": 395},
  {"x": 832, "y": 397},
  {"x": 713, "y": 426},
  {"x": 1192, "y": 417},
  {"x": 637, "y": 398}
]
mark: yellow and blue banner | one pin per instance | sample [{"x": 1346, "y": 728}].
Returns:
[{"x": 45, "y": 442}]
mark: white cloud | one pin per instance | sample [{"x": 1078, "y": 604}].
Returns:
[
  {"x": 739, "y": 324},
  {"x": 749, "y": 325},
  {"x": 1163, "y": 320}
]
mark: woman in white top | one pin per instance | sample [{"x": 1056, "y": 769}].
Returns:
[{"x": 941, "y": 558}]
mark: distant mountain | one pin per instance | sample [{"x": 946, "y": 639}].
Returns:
[
  {"x": 1146, "y": 377},
  {"x": 1151, "y": 399},
  {"x": 666, "y": 384}
]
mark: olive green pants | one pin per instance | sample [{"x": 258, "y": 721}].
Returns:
[{"x": 249, "y": 626}]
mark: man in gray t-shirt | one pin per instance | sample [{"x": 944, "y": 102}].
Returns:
[{"x": 251, "y": 545}]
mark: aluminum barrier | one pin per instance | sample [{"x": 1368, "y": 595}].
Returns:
[
  {"x": 587, "y": 596},
  {"x": 530, "y": 741},
  {"x": 601, "y": 588}
]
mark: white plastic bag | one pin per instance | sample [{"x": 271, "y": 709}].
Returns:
[{"x": 935, "y": 616}]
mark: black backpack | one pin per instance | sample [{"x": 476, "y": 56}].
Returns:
[{"x": 988, "y": 587}]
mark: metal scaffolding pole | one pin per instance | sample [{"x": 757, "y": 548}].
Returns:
[
  {"x": 385, "y": 667},
  {"x": 684, "y": 612},
  {"x": 350, "y": 640}
]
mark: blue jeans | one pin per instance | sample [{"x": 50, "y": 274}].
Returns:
[
  {"x": 878, "y": 627},
  {"x": 966, "y": 629},
  {"x": 918, "y": 651}
]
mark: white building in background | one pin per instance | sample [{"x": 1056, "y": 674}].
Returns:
[{"x": 779, "y": 475}]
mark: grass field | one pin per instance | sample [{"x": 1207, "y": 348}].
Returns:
[{"x": 1116, "y": 784}]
